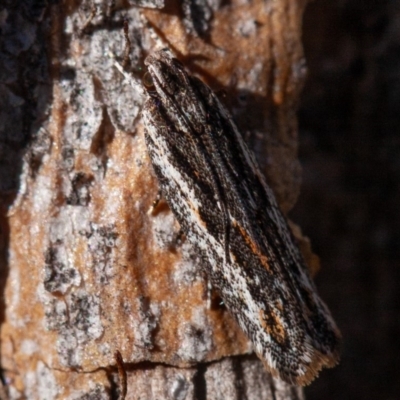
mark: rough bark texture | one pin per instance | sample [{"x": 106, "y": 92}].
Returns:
[{"x": 86, "y": 270}]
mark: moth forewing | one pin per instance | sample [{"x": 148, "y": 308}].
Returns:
[{"x": 216, "y": 191}]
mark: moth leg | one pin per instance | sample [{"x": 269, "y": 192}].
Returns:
[{"x": 156, "y": 202}]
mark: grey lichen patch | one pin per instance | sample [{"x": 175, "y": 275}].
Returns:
[
  {"x": 69, "y": 353},
  {"x": 254, "y": 382},
  {"x": 86, "y": 117},
  {"x": 149, "y": 315},
  {"x": 68, "y": 158},
  {"x": 59, "y": 275},
  {"x": 124, "y": 105},
  {"x": 98, "y": 392},
  {"x": 188, "y": 268},
  {"x": 195, "y": 338},
  {"x": 39, "y": 148},
  {"x": 80, "y": 190},
  {"x": 143, "y": 318},
  {"x": 56, "y": 315},
  {"x": 165, "y": 229},
  {"x": 83, "y": 325},
  {"x": 84, "y": 311},
  {"x": 165, "y": 383},
  {"x": 76, "y": 316},
  {"x": 179, "y": 388},
  {"x": 122, "y": 102},
  {"x": 41, "y": 383},
  {"x": 198, "y": 15},
  {"x": 148, "y": 3},
  {"x": 77, "y": 320},
  {"x": 101, "y": 242},
  {"x": 217, "y": 377}
]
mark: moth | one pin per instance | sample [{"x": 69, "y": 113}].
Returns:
[{"x": 219, "y": 196}]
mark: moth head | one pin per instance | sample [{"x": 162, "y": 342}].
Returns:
[{"x": 166, "y": 72}]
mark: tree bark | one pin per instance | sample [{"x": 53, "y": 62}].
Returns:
[{"x": 86, "y": 269}]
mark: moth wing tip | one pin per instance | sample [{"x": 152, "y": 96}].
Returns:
[{"x": 319, "y": 362}]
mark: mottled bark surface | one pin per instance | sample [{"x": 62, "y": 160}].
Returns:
[{"x": 86, "y": 269}]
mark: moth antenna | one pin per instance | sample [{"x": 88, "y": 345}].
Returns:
[
  {"x": 128, "y": 46},
  {"x": 134, "y": 82}
]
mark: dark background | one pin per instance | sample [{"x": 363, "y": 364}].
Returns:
[{"x": 350, "y": 200}]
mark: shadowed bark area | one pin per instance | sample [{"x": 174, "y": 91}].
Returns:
[
  {"x": 349, "y": 203},
  {"x": 86, "y": 268}
]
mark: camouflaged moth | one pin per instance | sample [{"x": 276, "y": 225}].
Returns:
[{"x": 229, "y": 214}]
